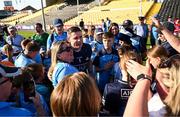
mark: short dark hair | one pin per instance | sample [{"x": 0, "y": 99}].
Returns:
[
  {"x": 141, "y": 18},
  {"x": 25, "y": 42},
  {"x": 39, "y": 24},
  {"x": 73, "y": 29},
  {"x": 108, "y": 35},
  {"x": 32, "y": 46}
]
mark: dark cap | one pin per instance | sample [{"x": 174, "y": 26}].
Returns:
[
  {"x": 141, "y": 17},
  {"x": 124, "y": 38},
  {"x": 127, "y": 23},
  {"x": 10, "y": 28},
  {"x": 57, "y": 22}
]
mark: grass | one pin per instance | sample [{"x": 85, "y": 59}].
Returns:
[
  {"x": 26, "y": 33},
  {"x": 29, "y": 33}
]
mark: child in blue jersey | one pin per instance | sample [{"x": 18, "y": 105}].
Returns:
[{"x": 105, "y": 60}]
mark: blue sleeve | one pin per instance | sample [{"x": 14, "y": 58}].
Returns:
[
  {"x": 59, "y": 74},
  {"x": 49, "y": 42},
  {"x": 38, "y": 58}
]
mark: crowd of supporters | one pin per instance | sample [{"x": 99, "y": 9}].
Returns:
[{"x": 91, "y": 71}]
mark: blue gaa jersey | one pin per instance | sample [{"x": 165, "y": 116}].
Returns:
[
  {"x": 117, "y": 71},
  {"x": 115, "y": 97},
  {"x": 60, "y": 71},
  {"x": 54, "y": 38},
  {"x": 100, "y": 61},
  {"x": 22, "y": 60},
  {"x": 83, "y": 58}
]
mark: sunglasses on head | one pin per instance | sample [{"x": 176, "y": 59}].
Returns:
[
  {"x": 66, "y": 49},
  {"x": 168, "y": 63}
]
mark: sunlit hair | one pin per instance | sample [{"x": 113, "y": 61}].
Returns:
[
  {"x": 8, "y": 51},
  {"x": 54, "y": 51},
  {"x": 73, "y": 29},
  {"x": 111, "y": 25},
  {"x": 124, "y": 48},
  {"x": 36, "y": 70},
  {"x": 32, "y": 47},
  {"x": 171, "y": 80},
  {"x": 129, "y": 55},
  {"x": 76, "y": 95},
  {"x": 107, "y": 35},
  {"x": 24, "y": 43},
  {"x": 158, "y": 51},
  {"x": 91, "y": 29}
]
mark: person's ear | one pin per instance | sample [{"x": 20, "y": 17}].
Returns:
[
  {"x": 158, "y": 59},
  {"x": 59, "y": 56}
]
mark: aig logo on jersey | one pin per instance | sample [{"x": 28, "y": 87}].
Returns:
[{"x": 126, "y": 92}]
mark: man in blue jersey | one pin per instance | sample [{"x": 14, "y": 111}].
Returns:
[{"x": 57, "y": 35}]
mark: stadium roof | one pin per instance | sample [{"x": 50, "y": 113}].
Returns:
[
  {"x": 169, "y": 8},
  {"x": 28, "y": 8}
]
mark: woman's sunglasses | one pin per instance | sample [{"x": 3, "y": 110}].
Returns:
[
  {"x": 168, "y": 63},
  {"x": 67, "y": 49}
]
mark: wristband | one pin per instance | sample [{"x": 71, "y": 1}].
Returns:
[{"x": 143, "y": 76}]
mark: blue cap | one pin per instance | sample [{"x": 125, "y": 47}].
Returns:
[
  {"x": 57, "y": 22},
  {"x": 99, "y": 31}
]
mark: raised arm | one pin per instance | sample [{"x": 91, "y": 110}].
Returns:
[
  {"x": 173, "y": 40},
  {"x": 138, "y": 101}
]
